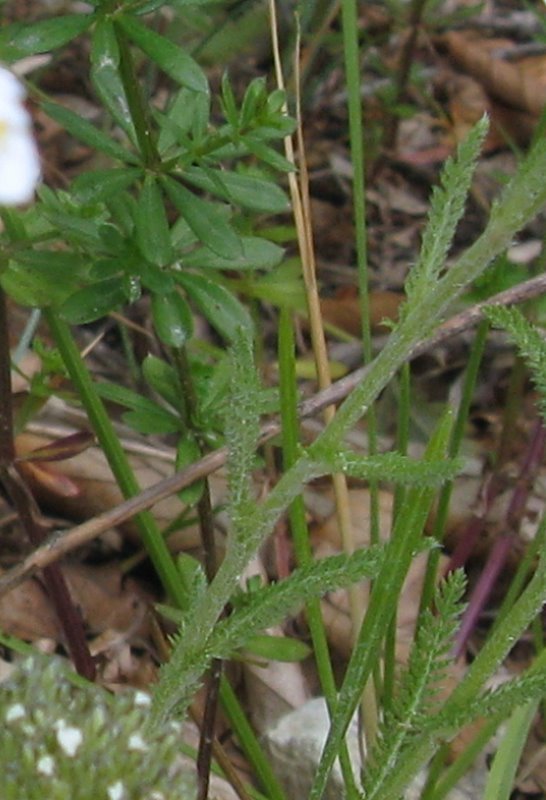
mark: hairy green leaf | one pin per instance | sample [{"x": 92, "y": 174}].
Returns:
[
  {"x": 205, "y": 220},
  {"x": 271, "y": 605},
  {"x": 27, "y": 39},
  {"x": 221, "y": 308},
  {"x": 106, "y": 77},
  {"x": 171, "y": 58},
  {"x": 529, "y": 340},
  {"x": 246, "y": 191},
  {"x": 88, "y": 134}
]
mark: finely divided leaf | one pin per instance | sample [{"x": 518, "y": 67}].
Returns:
[
  {"x": 419, "y": 684},
  {"x": 530, "y": 342},
  {"x": 391, "y": 467},
  {"x": 272, "y": 604},
  {"x": 447, "y": 206}
]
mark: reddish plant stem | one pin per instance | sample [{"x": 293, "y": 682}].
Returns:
[{"x": 504, "y": 541}]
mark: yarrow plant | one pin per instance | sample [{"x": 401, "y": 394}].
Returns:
[{"x": 19, "y": 160}]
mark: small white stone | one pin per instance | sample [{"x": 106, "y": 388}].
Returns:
[
  {"x": 136, "y": 742},
  {"x": 116, "y": 791},
  {"x": 15, "y": 712},
  {"x": 46, "y": 766},
  {"x": 69, "y": 738}
]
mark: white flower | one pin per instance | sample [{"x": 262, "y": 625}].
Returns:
[
  {"x": 116, "y": 791},
  {"x": 69, "y": 738},
  {"x": 19, "y": 161},
  {"x": 15, "y": 712},
  {"x": 46, "y": 766}
]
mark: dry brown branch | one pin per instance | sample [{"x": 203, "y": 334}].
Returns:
[{"x": 62, "y": 542}]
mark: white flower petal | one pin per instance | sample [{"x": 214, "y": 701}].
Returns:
[
  {"x": 19, "y": 160},
  {"x": 69, "y": 738}
]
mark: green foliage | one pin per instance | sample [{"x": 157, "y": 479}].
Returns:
[
  {"x": 174, "y": 211},
  {"x": 417, "y": 694},
  {"x": 530, "y": 342},
  {"x": 272, "y": 604},
  {"x": 69, "y": 743},
  {"x": 446, "y": 209}
]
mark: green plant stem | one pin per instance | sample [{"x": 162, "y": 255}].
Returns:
[
  {"x": 503, "y": 770},
  {"x": 404, "y": 412},
  {"x": 452, "y": 775},
  {"x": 384, "y": 597},
  {"x": 467, "y": 693},
  {"x": 249, "y": 743},
  {"x": 119, "y": 464},
  {"x": 471, "y": 375},
  {"x": 299, "y": 528},
  {"x": 137, "y": 107}
]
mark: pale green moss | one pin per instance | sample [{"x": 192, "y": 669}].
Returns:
[{"x": 63, "y": 743}]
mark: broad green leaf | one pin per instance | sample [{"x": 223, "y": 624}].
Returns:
[
  {"x": 152, "y": 229},
  {"x": 54, "y": 262},
  {"x": 267, "y": 154},
  {"x": 106, "y": 77},
  {"x": 78, "y": 231},
  {"x": 205, "y": 220},
  {"x": 87, "y": 133},
  {"x": 162, "y": 378},
  {"x": 27, "y": 39},
  {"x": 228, "y": 102},
  {"x": 172, "y": 318},
  {"x": 145, "y": 415},
  {"x": 95, "y": 301},
  {"x": 155, "y": 421},
  {"x": 100, "y": 184},
  {"x": 193, "y": 576},
  {"x": 187, "y": 113},
  {"x": 222, "y": 309},
  {"x": 243, "y": 190},
  {"x": 256, "y": 253},
  {"x": 40, "y": 287},
  {"x": 283, "y": 287},
  {"x": 277, "y": 648},
  {"x": 171, "y": 58},
  {"x": 157, "y": 280},
  {"x": 253, "y": 102}
]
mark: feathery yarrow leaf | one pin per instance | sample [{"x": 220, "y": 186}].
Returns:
[
  {"x": 498, "y": 702},
  {"x": 242, "y": 430},
  {"x": 419, "y": 683},
  {"x": 447, "y": 206},
  {"x": 272, "y": 604},
  {"x": 530, "y": 341},
  {"x": 391, "y": 467}
]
